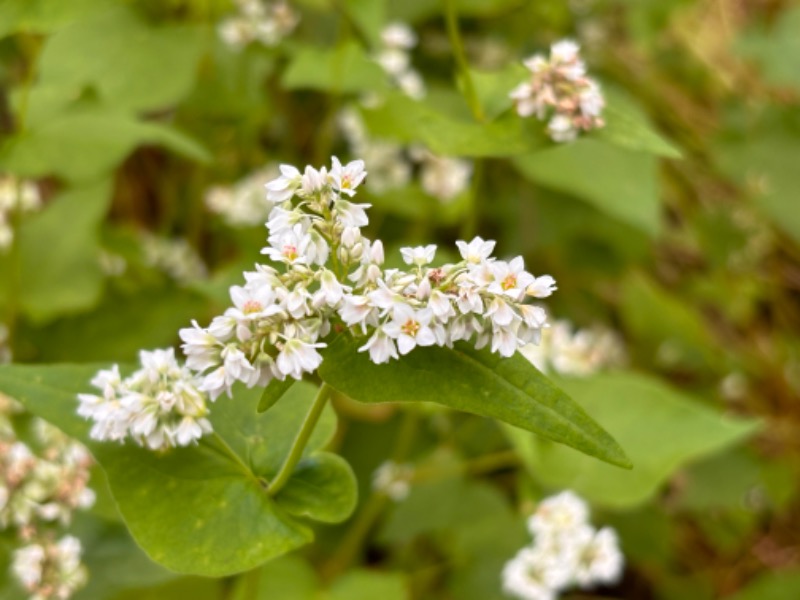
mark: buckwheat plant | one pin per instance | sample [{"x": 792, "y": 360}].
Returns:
[
  {"x": 326, "y": 275},
  {"x": 560, "y": 92},
  {"x": 566, "y": 552},
  {"x": 42, "y": 483}
]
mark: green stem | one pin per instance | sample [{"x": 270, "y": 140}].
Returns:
[
  {"x": 453, "y": 33},
  {"x": 299, "y": 444},
  {"x": 222, "y": 447}
]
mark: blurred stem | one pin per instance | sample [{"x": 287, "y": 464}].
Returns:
[
  {"x": 468, "y": 87},
  {"x": 299, "y": 444},
  {"x": 354, "y": 537},
  {"x": 469, "y": 228}
]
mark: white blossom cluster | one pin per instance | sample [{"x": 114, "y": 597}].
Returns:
[
  {"x": 50, "y": 569},
  {"x": 393, "y": 480},
  {"x": 159, "y": 406},
  {"x": 242, "y": 204},
  {"x": 391, "y": 165},
  {"x": 326, "y": 273},
  {"x": 394, "y": 57},
  {"x": 258, "y": 21},
  {"x": 560, "y": 91},
  {"x": 566, "y": 552},
  {"x": 16, "y": 195},
  {"x": 575, "y": 352},
  {"x": 42, "y": 483},
  {"x": 175, "y": 257}
]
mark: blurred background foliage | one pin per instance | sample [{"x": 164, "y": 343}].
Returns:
[{"x": 676, "y": 225}]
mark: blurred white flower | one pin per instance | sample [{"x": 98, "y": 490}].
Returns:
[
  {"x": 244, "y": 203},
  {"x": 258, "y": 21},
  {"x": 393, "y": 480},
  {"x": 394, "y": 57},
  {"x": 175, "y": 257},
  {"x": 16, "y": 195}
]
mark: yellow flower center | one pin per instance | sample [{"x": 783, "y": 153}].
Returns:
[
  {"x": 410, "y": 327},
  {"x": 509, "y": 283}
]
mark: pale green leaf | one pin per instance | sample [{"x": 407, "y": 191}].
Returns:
[
  {"x": 622, "y": 183},
  {"x": 661, "y": 427},
  {"x": 340, "y": 70},
  {"x": 507, "y": 389}
]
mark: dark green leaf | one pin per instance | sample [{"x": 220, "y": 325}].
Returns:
[{"x": 508, "y": 389}]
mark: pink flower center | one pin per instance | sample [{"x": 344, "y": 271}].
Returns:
[
  {"x": 252, "y": 306},
  {"x": 510, "y": 282},
  {"x": 410, "y": 327}
]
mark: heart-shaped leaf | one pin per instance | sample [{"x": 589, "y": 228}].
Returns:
[{"x": 204, "y": 509}]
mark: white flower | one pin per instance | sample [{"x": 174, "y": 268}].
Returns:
[
  {"x": 444, "y": 177},
  {"x": 358, "y": 310},
  {"x": 380, "y": 346},
  {"x": 348, "y": 177},
  {"x": 393, "y": 480},
  {"x": 298, "y": 357},
  {"x": 410, "y": 328},
  {"x": 313, "y": 182},
  {"x": 534, "y": 575},
  {"x": 477, "y": 251},
  {"x": 600, "y": 561},
  {"x": 420, "y": 256},
  {"x": 510, "y": 278},
  {"x": 541, "y": 287},
  {"x": 351, "y": 215},
  {"x": 289, "y": 247},
  {"x": 565, "y": 511},
  {"x": 284, "y": 187},
  {"x": 398, "y": 35},
  {"x": 27, "y": 565},
  {"x": 562, "y": 129}
]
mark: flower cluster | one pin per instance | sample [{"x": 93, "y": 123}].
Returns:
[
  {"x": 16, "y": 195},
  {"x": 175, "y": 257},
  {"x": 391, "y": 165},
  {"x": 242, "y": 204},
  {"x": 560, "y": 91},
  {"x": 326, "y": 273},
  {"x": 50, "y": 569},
  {"x": 159, "y": 406},
  {"x": 393, "y": 480},
  {"x": 42, "y": 483},
  {"x": 395, "y": 59},
  {"x": 567, "y": 551},
  {"x": 576, "y": 353},
  {"x": 265, "y": 22}
]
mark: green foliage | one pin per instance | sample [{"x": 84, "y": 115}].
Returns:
[
  {"x": 681, "y": 431},
  {"x": 181, "y": 506},
  {"x": 507, "y": 389}
]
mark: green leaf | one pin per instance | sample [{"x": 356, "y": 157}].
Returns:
[
  {"x": 368, "y": 585},
  {"x": 43, "y": 16},
  {"x": 86, "y": 144},
  {"x": 620, "y": 182},
  {"x": 766, "y": 162},
  {"x": 666, "y": 325},
  {"x": 772, "y": 586},
  {"x": 341, "y": 70},
  {"x": 627, "y": 126},
  {"x": 202, "y": 509},
  {"x": 59, "y": 271},
  {"x": 507, "y": 389},
  {"x": 407, "y": 120},
  {"x": 273, "y": 392},
  {"x": 776, "y": 49},
  {"x": 130, "y": 64},
  {"x": 662, "y": 428},
  {"x": 323, "y": 488}
]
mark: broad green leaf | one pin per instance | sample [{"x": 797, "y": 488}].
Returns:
[
  {"x": 43, "y": 16},
  {"x": 672, "y": 330},
  {"x": 622, "y": 183},
  {"x": 322, "y": 488},
  {"x": 83, "y": 145},
  {"x": 407, "y": 120},
  {"x": 286, "y": 578},
  {"x": 369, "y": 16},
  {"x": 368, "y": 585},
  {"x": 628, "y": 127},
  {"x": 766, "y": 162},
  {"x": 341, "y": 70},
  {"x": 776, "y": 48},
  {"x": 130, "y": 64},
  {"x": 273, "y": 392},
  {"x": 202, "y": 509},
  {"x": 493, "y": 87},
  {"x": 412, "y": 202},
  {"x": 662, "y": 428},
  {"x": 59, "y": 272},
  {"x": 507, "y": 389}
]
